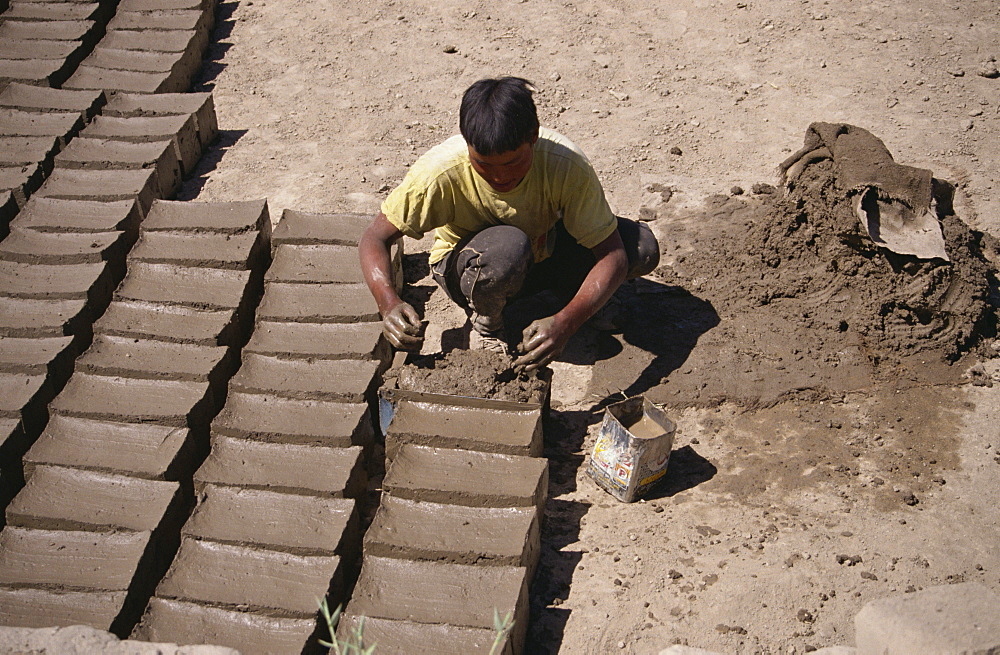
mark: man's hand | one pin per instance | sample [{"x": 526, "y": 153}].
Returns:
[
  {"x": 401, "y": 326},
  {"x": 542, "y": 342}
]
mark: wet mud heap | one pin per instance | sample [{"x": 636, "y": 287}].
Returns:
[{"x": 475, "y": 373}]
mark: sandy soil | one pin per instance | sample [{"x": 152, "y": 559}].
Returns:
[{"x": 806, "y": 480}]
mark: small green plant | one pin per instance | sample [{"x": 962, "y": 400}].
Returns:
[
  {"x": 502, "y": 626},
  {"x": 354, "y": 644}
]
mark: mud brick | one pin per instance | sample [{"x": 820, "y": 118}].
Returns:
[
  {"x": 148, "y": 358},
  {"x": 151, "y": 5},
  {"x": 23, "y": 396},
  {"x": 321, "y": 340},
  {"x": 92, "y": 77},
  {"x": 252, "y": 634},
  {"x": 304, "y": 228},
  {"x": 291, "y": 468},
  {"x": 229, "y": 251},
  {"x": 251, "y": 578},
  {"x": 465, "y": 477},
  {"x": 64, "y": 215},
  {"x": 201, "y": 287},
  {"x": 40, "y": 608},
  {"x": 282, "y": 521},
  {"x": 54, "y": 11},
  {"x": 62, "y": 125},
  {"x": 182, "y": 130},
  {"x": 176, "y": 323},
  {"x": 439, "y": 592},
  {"x": 27, "y": 150},
  {"x": 138, "y": 184},
  {"x": 34, "y": 247},
  {"x": 8, "y": 210},
  {"x": 56, "y": 282},
  {"x": 483, "y": 427},
  {"x": 404, "y": 637},
  {"x": 201, "y": 105},
  {"x": 34, "y": 49},
  {"x": 28, "y": 317},
  {"x": 197, "y": 20},
  {"x": 35, "y": 98},
  {"x": 106, "y": 561},
  {"x": 208, "y": 217},
  {"x": 341, "y": 380},
  {"x": 39, "y": 356},
  {"x": 415, "y": 529},
  {"x": 149, "y": 40},
  {"x": 181, "y": 65},
  {"x": 11, "y": 435},
  {"x": 22, "y": 180},
  {"x": 145, "y": 450},
  {"x": 57, "y": 30},
  {"x": 43, "y": 72},
  {"x": 317, "y": 303},
  {"x": 315, "y": 264},
  {"x": 105, "y": 154},
  {"x": 166, "y": 402},
  {"x": 289, "y": 420},
  {"x": 57, "y": 498}
]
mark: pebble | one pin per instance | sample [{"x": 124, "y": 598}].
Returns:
[
  {"x": 988, "y": 70},
  {"x": 676, "y": 151},
  {"x": 736, "y": 190}
]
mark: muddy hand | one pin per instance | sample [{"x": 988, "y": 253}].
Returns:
[
  {"x": 540, "y": 344},
  {"x": 401, "y": 326}
]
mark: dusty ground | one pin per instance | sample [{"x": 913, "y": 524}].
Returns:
[{"x": 805, "y": 481}]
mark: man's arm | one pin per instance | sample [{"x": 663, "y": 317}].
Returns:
[
  {"x": 400, "y": 321},
  {"x": 545, "y": 338}
]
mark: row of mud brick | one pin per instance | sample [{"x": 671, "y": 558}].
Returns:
[{"x": 141, "y": 46}]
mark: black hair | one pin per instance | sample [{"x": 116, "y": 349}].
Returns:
[{"x": 498, "y": 115}]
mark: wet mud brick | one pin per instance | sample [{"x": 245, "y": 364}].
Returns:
[
  {"x": 106, "y": 154},
  {"x": 172, "y": 80},
  {"x": 198, "y": 20},
  {"x": 172, "y": 72},
  {"x": 85, "y": 32},
  {"x": 66, "y": 54},
  {"x": 89, "y": 282},
  {"x": 254, "y": 579},
  {"x": 36, "y": 356},
  {"x": 252, "y": 634},
  {"x": 28, "y": 97},
  {"x": 144, "y": 450},
  {"x": 280, "y": 467},
  {"x": 22, "y": 180},
  {"x": 477, "y": 425},
  {"x": 23, "y": 398},
  {"x": 104, "y": 185},
  {"x": 340, "y": 380},
  {"x": 317, "y": 303},
  {"x": 209, "y": 217},
  {"x": 30, "y": 246},
  {"x": 84, "y": 216},
  {"x": 181, "y": 129},
  {"x": 44, "y": 72},
  {"x": 282, "y": 521},
  {"x": 61, "y": 125},
  {"x": 36, "y": 318},
  {"x": 17, "y": 150},
  {"x": 166, "y": 402},
  {"x": 41, "y": 608},
  {"x": 207, "y": 249},
  {"x": 206, "y": 288},
  {"x": 421, "y": 530},
  {"x": 58, "y": 498},
  {"x": 402, "y": 637},
  {"x": 200, "y": 105},
  {"x": 138, "y": 319},
  {"x": 363, "y": 341},
  {"x": 464, "y": 477},
  {"x": 441, "y": 593},
  {"x": 157, "y": 360},
  {"x": 292, "y": 420},
  {"x": 56, "y": 11},
  {"x": 315, "y": 264}
]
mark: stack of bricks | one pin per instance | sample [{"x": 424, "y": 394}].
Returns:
[
  {"x": 455, "y": 541},
  {"x": 277, "y": 521},
  {"x": 42, "y": 43},
  {"x": 109, "y": 481},
  {"x": 151, "y": 46}
]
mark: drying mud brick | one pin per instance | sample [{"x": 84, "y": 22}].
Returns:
[
  {"x": 291, "y": 420},
  {"x": 68, "y": 52},
  {"x": 43, "y": 72},
  {"x": 437, "y": 592},
  {"x": 180, "y": 66},
  {"x": 182, "y": 130},
  {"x": 217, "y": 217},
  {"x": 167, "y": 402},
  {"x": 138, "y": 184},
  {"x": 207, "y": 288},
  {"x": 35, "y": 98},
  {"x": 62, "y": 125},
  {"x": 37, "y": 318},
  {"x": 21, "y": 180},
  {"x": 147, "y": 358},
  {"x": 36, "y": 247},
  {"x": 318, "y": 303},
  {"x": 404, "y": 637},
  {"x": 70, "y": 559},
  {"x": 464, "y": 477},
  {"x": 341, "y": 380},
  {"x": 40, "y": 608},
  {"x": 251, "y": 634},
  {"x": 55, "y": 11},
  {"x": 280, "y": 521},
  {"x": 59, "y": 30},
  {"x": 35, "y": 356},
  {"x": 197, "y": 20},
  {"x": 304, "y": 228},
  {"x": 315, "y": 264},
  {"x": 145, "y": 450},
  {"x": 92, "y": 77},
  {"x": 484, "y": 428},
  {"x": 56, "y": 282},
  {"x": 170, "y": 323},
  {"x": 57, "y": 498},
  {"x": 200, "y": 105},
  {"x": 251, "y": 578},
  {"x": 415, "y": 529},
  {"x": 321, "y": 340},
  {"x": 229, "y": 251},
  {"x": 66, "y": 215},
  {"x": 18, "y": 392},
  {"x": 315, "y": 470},
  {"x": 161, "y": 156},
  {"x": 85, "y": 639},
  {"x": 958, "y": 618},
  {"x": 28, "y": 149}
]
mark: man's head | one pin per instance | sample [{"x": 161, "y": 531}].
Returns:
[{"x": 500, "y": 125}]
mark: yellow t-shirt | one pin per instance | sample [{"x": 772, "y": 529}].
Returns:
[{"x": 442, "y": 192}]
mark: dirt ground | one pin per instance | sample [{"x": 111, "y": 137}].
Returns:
[{"x": 808, "y": 477}]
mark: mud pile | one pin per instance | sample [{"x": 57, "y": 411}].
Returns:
[{"x": 475, "y": 373}]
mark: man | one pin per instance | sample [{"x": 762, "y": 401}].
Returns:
[{"x": 516, "y": 209}]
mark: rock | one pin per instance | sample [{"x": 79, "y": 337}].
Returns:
[
  {"x": 736, "y": 190},
  {"x": 676, "y": 151},
  {"x": 988, "y": 69}
]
